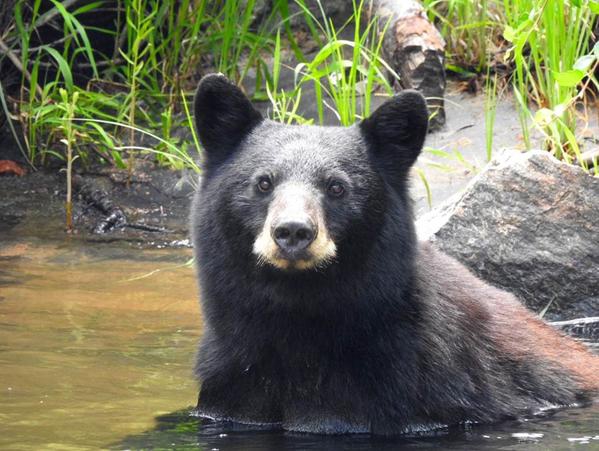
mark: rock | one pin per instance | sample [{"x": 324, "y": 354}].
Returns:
[{"x": 529, "y": 224}]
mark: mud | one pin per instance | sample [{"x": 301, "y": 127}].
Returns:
[{"x": 155, "y": 203}]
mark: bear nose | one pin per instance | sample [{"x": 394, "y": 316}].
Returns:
[{"x": 293, "y": 236}]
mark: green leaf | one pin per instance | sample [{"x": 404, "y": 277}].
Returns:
[
  {"x": 594, "y": 7},
  {"x": 78, "y": 30},
  {"x": 429, "y": 195},
  {"x": 459, "y": 70},
  {"x": 63, "y": 67},
  {"x": 569, "y": 78},
  {"x": 509, "y": 33}
]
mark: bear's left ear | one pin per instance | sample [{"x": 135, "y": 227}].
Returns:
[
  {"x": 397, "y": 129},
  {"x": 223, "y": 117}
]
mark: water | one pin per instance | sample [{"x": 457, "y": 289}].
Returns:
[
  {"x": 97, "y": 343},
  {"x": 86, "y": 356}
]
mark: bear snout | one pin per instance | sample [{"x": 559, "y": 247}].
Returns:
[{"x": 293, "y": 236}]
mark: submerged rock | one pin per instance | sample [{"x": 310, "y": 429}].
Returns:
[{"x": 529, "y": 224}]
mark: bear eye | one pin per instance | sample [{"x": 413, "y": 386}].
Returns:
[
  {"x": 264, "y": 184},
  {"x": 336, "y": 189}
]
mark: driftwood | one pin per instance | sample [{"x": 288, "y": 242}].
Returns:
[
  {"x": 416, "y": 51},
  {"x": 113, "y": 216},
  {"x": 581, "y": 328}
]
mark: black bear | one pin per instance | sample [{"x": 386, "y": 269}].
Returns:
[{"x": 322, "y": 311}]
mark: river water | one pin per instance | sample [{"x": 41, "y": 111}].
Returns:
[{"x": 97, "y": 343}]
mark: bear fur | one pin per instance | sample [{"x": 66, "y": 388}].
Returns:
[{"x": 381, "y": 335}]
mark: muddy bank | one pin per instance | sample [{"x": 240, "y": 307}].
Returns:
[{"x": 149, "y": 209}]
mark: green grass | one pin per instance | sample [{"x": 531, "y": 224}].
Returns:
[
  {"x": 546, "y": 45},
  {"x": 490, "y": 112},
  {"x": 549, "y": 51},
  {"x": 346, "y": 71},
  {"x": 232, "y": 40},
  {"x": 470, "y": 29},
  {"x": 160, "y": 45}
]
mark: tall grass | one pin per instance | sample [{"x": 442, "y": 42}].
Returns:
[
  {"x": 547, "y": 50},
  {"x": 161, "y": 44},
  {"x": 346, "y": 71},
  {"x": 138, "y": 94},
  {"x": 550, "y": 46},
  {"x": 159, "y": 47},
  {"x": 232, "y": 40},
  {"x": 470, "y": 28}
]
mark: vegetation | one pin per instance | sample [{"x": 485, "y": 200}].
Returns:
[
  {"x": 133, "y": 100},
  {"x": 142, "y": 89},
  {"x": 547, "y": 46}
]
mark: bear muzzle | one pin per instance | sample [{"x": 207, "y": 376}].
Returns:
[{"x": 294, "y": 235}]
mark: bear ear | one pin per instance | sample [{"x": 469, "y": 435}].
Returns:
[
  {"x": 223, "y": 117},
  {"x": 396, "y": 130}
]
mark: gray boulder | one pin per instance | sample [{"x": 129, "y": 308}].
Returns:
[{"x": 529, "y": 224}]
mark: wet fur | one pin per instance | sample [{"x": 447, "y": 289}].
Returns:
[{"x": 392, "y": 336}]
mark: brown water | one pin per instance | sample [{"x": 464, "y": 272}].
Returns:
[
  {"x": 87, "y": 356},
  {"x": 97, "y": 343}
]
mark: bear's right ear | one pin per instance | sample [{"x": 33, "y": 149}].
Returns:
[{"x": 223, "y": 117}]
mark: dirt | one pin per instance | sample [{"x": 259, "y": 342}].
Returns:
[{"x": 155, "y": 204}]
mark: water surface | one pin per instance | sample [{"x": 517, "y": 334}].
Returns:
[{"x": 87, "y": 356}]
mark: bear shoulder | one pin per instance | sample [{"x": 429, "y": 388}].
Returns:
[{"x": 515, "y": 331}]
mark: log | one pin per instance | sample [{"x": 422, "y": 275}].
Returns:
[
  {"x": 587, "y": 328},
  {"x": 113, "y": 216},
  {"x": 416, "y": 51}
]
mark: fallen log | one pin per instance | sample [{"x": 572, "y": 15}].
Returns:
[{"x": 416, "y": 51}]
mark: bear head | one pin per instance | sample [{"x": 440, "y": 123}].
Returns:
[{"x": 293, "y": 198}]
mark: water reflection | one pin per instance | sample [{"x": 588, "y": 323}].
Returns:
[{"x": 86, "y": 355}]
